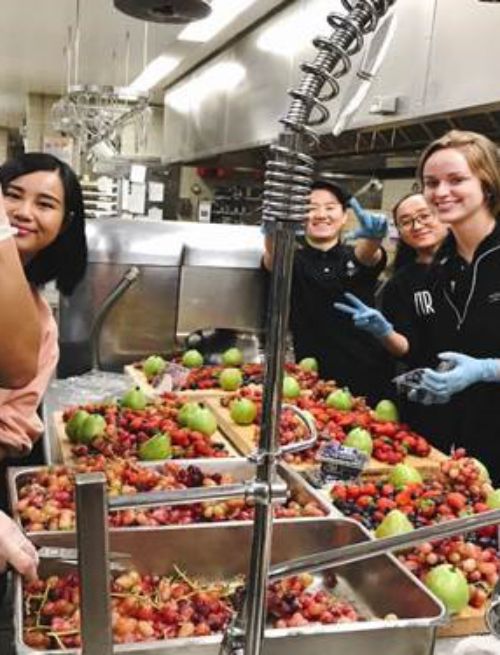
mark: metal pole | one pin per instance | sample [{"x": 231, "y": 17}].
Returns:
[
  {"x": 277, "y": 322},
  {"x": 93, "y": 564},
  {"x": 367, "y": 549}
]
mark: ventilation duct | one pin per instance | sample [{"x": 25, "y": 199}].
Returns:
[{"x": 165, "y": 11}]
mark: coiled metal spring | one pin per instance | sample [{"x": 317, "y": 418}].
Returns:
[{"x": 290, "y": 169}]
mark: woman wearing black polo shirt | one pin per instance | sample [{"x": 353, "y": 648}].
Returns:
[
  {"x": 458, "y": 321},
  {"x": 324, "y": 268}
]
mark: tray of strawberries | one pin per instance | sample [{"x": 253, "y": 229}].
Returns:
[
  {"x": 388, "y": 506},
  {"x": 349, "y": 420},
  {"x": 134, "y": 426}
]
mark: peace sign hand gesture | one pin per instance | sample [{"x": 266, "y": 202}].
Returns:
[{"x": 365, "y": 317}]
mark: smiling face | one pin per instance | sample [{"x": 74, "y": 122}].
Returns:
[
  {"x": 451, "y": 188},
  {"x": 418, "y": 225},
  {"x": 326, "y": 217},
  {"x": 34, "y": 204}
]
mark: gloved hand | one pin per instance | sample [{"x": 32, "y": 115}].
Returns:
[
  {"x": 365, "y": 317},
  {"x": 16, "y": 550},
  {"x": 464, "y": 372},
  {"x": 371, "y": 226},
  {"x": 267, "y": 228}
]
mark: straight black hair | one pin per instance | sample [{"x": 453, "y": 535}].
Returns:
[
  {"x": 341, "y": 194},
  {"x": 65, "y": 260}
]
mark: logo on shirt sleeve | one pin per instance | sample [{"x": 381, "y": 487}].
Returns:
[{"x": 423, "y": 303}]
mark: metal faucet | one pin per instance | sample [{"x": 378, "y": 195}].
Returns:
[{"x": 128, "y": 279}]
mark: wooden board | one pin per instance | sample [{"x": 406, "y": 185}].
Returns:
[
  {"x": 139, "y": 379},
  {"x": 64, "y": 445},
  {"x": 243, "y": 438},
  {"x": 469, "y": 622}
]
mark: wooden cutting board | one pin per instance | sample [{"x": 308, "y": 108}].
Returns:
[
  {"x": 243, "y": 437},
  {"x": 470, "y": 621},
  {"x": 64, "y": 446}
]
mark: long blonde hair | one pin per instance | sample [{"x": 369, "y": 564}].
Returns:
[{"x": 482, "y": 157}]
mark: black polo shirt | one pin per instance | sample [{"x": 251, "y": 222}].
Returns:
[
  {"x": 346, "y": 354},
  {"x": 461, "y": 313}
]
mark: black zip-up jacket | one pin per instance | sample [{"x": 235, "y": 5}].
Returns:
[{"x": 460, "y": 311}]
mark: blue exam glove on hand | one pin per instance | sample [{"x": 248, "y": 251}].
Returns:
[
  {"x": 464, "y": 372},
  {"x": 371, "y": 226},
  {"x": 364, "y": 317}
]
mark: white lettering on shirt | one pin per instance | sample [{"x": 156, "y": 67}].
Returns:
[{"x": 423, "y": 303}]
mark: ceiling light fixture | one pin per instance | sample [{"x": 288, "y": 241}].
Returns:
[
  {"x": 165, "y": 11},
  {"x": 223, "y": 13},
  {"x": 154, "y": 72}
]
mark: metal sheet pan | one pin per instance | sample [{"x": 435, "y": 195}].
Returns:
[
  {"x": 379, "y": 586},
  {"x": 240, "y": 468}
]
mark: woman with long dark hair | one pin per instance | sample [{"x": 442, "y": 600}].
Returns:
[{"x": 43, "y": 203}]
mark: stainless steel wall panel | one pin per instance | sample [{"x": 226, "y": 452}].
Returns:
[
  {"x": 122, "y": 241},
  {"x": 222, "y": 287},
  {"x": 214, "y": 297}
]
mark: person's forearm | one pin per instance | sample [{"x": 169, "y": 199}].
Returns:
[
  {"x": 19, "y": 322},
  {"x": 396, "y": 344},
  {"x": 267, "y": 258},
  {"x": 368, "y": 251}
]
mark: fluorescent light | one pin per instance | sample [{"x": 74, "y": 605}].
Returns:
[
  {"x": 154, "y": 72},
  {"x": 223, "y": 12},
  {"x": 224, "y": 76}
]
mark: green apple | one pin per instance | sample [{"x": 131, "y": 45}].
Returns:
[
  {"x": 243, "y": 411},
  {"x": 74, "y": 425},
  {"x": 395, "y": 522},
  {"x": 186, "y": 412},
  {"x": 192, "y": 359},
  {"x": 230, "y": 379},
  {"x": 158, "y": 447},
  {"x": 386, "y": 410},
  {"x": 403, "y": 474},
  {"x": 291, "y": 388},
  {"x": 134, "y": 399},
  {"x": 450, "y": 586},
  {"x": 202, "y": 420},
  {"x": 232, "y": 357},
  {"x": 153, "y": 365},
  {"x": 309, "y": 364},
  {"x": 361, "y": 439},
  {"x": 340, "y": 399},
  {"x": 92, "y": 427},
  {"x": 493, "y": 499}
]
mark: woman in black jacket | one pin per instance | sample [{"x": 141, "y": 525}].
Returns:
[{"x": 458, "y": 323}]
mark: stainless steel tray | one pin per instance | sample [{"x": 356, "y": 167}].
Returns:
[
  {"x": 378, "y": 586},
  {"x": 240, "y": 468}
]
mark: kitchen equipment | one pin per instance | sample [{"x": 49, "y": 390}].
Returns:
[
  {"x": 240, "y": 470},
  {"x": 216, "y": 552}
]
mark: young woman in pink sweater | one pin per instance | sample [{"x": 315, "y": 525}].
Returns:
[{"x": 42, "y": 199}]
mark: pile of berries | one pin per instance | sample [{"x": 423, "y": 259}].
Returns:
[
  {"x": 47, "y": 500},
  {"x": 126, "y": 429},
  {"x": 154, "y": 608}
]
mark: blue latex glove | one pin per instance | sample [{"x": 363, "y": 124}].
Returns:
[
  {"x": 365, "y": 317},
  {"x": 371, "y": 226},
  {"x": 464, "y": 372},
  {"x": 268, "y": 228}
]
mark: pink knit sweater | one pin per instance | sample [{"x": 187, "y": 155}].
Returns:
[{"x": 20, "y": 425}]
